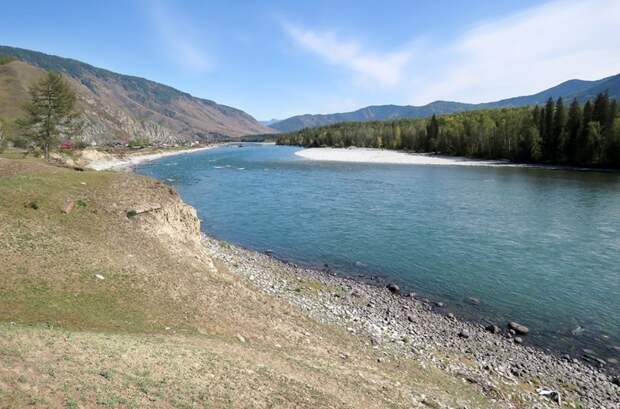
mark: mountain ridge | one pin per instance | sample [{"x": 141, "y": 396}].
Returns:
[
  {"x": 574, "y": 88},
  {"x": 119, "y": 106}
]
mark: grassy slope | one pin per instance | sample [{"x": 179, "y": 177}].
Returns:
[{"x": 166, "y": 327}]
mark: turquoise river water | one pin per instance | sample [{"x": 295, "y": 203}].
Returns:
[{"x": 537, "y": 246}]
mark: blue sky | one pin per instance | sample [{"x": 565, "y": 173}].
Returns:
[{"x": 275, "y": 59}]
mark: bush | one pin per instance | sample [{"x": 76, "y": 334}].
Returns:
[
  {"x": 131, "y": 213},
  {"x": 5, "y": 59},
  {"x": 139, "y": 143}
]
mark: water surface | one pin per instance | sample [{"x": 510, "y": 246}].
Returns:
[{"x": 537, "y": 246}]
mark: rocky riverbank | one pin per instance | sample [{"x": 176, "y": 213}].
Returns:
[
  {"x": 98, "y": 160},
  {"x": 407, "y": 327}
]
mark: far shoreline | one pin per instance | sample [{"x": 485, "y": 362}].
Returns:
[
  {"x": 98, "y": 160},
  {"x": 394, "y": 157},
  {"x": 105, "y": 161}
]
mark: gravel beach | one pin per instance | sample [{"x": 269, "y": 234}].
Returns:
[{"x": 404, "y": 326}]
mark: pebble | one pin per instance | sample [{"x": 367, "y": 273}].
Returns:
[{"x": 464, "y": 333}]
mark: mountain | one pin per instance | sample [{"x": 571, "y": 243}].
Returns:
[
  {"x": 582, "y": 90},
  {"x": 269, "y": 121},
  {"x": 122, "y": 107}
]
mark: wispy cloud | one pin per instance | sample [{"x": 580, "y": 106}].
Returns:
[
  {"x": 382, "y": 68},
  {"x": 180, "y": 38},
  {"x": 513, "y": 55},
  {"x": 528, "y": 52}
]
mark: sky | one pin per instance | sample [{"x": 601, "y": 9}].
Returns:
[{"x": 275, "y": 59}]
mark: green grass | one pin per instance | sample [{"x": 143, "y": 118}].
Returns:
[{"x": 59, "y": 286}]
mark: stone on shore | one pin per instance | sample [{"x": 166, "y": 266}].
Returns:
[
  {"x": 518, "y": 328},
  {"x": 493, "y": 329},
  {"x": 394, "y": 289}
]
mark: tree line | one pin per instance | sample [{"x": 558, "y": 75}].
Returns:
[{"x": 577, "y": 135}]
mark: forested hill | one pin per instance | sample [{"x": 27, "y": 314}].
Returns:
[
  {"x": 120, "y": 106},
  {"x": 580, "y": 135},
  {"x": 582, "y": 90}
]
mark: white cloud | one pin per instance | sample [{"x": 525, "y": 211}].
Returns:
[
  {"x": 528, "y": 52},
  {"x": 179, "y": 37},
  {"x": 384, "y": 69},
  {"x": 519, "y": 54}
]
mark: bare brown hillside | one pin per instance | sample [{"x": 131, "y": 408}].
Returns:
[{"x": 121, "y": 107}]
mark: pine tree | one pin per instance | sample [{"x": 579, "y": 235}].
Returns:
[
  {"x": 612, "y": 149},
  {"x": 573, "y": 129},
  {"x": 557, "y": 139},
  {"x": 50, "y": 113},
  {"x": 536, "y": 115},
  {"x": 601, "y": 112},
  {"x": 547, "y": 136},
  {"x": 432, "y": 132}
]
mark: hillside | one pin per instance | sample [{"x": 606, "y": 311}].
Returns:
[
  {"x": 582, "y": 90},
  {"x": 121, "y": 107}
]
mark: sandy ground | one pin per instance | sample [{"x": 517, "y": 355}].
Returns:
[
  {"x": 103, "y": 161},
  {"x": 366, "y": 155}
]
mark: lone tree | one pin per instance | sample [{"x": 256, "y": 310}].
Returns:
[{"x": 50, "y": 113}]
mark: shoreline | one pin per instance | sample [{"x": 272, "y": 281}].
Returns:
[
  {"x": 393, "y": 157},
  {"x": 105, "y": 161},
  {"x": 441, "y": 307},
  {"x": 408, "y": 326},
  {"x": 386, "y": 156}
]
